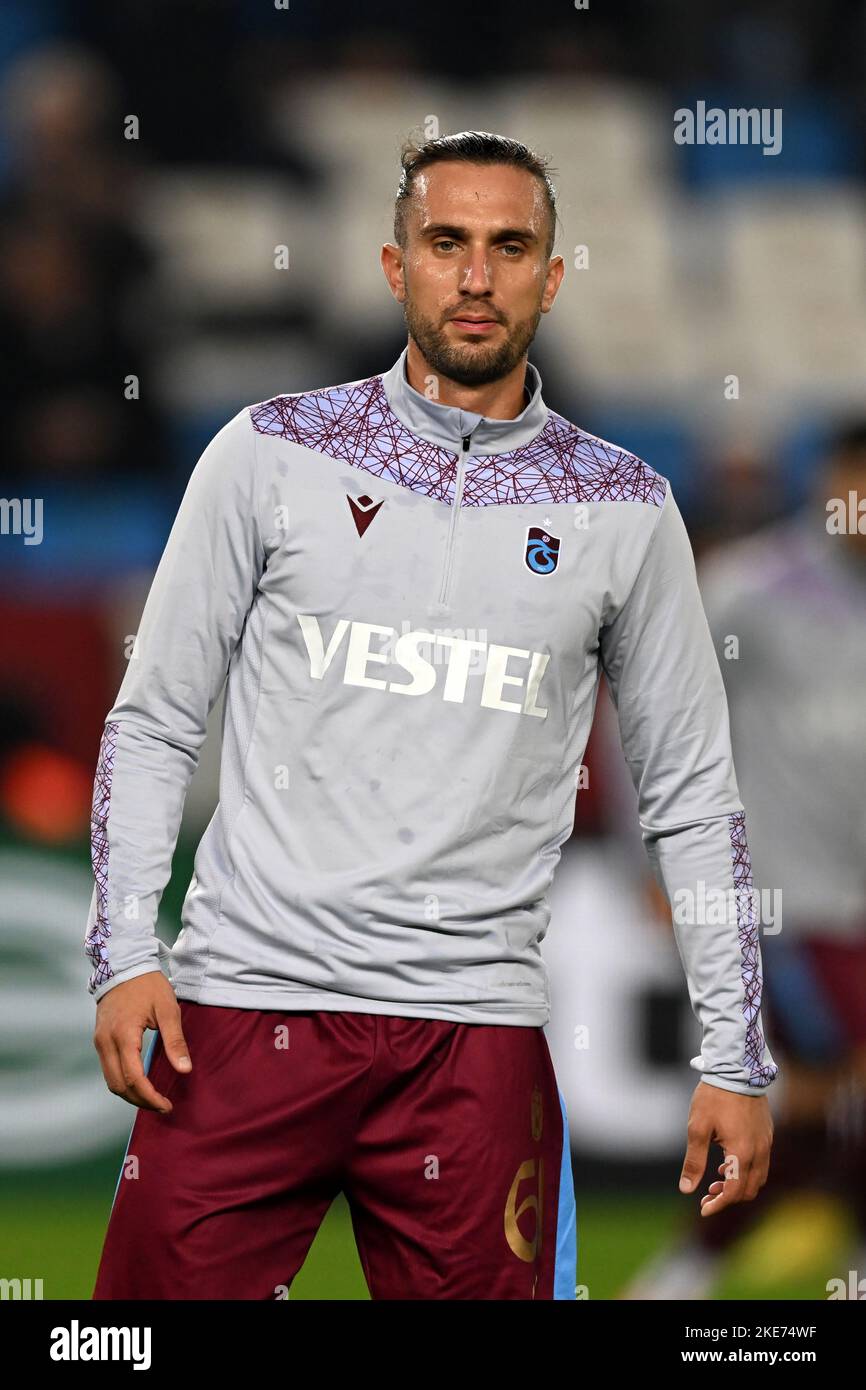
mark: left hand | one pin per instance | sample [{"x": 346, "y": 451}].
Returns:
[{"x": 743, "y": 1126}]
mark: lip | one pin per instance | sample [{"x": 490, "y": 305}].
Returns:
[{"x": 471, "y": 325}]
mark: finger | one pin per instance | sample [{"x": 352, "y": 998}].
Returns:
[
  {"x": 733, "y": 1191},
  {"x": 757, "y": 1176},
  {"x": 749, "y": 1170},
  {"x": 168, "y": 1021},
  {"x": 713, "y": 1190},
  {"x": 139, "y": 1090},
  {"x": 109, "y": 1059},
  {"x": 695, "y": 1163},
  {"x": 762, "y": 1163}
]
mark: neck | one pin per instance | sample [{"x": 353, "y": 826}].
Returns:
[
  {"x": 504, "y": 399},
  {"x": 447, "y": 425}
]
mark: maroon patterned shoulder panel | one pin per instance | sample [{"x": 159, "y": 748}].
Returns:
[
  {"x": 356, "y": 424},
  {"x": 563, "y": 463}
]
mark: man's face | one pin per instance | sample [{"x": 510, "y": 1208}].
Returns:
[{"x": 475, "y": 279}]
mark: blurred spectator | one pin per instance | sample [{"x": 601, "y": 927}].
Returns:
[
  {"x": 740, "y": 492},
  {"x": 73, "y": 271},
  {"x": 787, "y": 608}
]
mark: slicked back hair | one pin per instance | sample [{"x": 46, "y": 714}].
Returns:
[{"x": 472, "y": 147}]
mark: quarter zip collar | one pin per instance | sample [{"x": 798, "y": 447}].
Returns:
[{"x": 448, "y": 426}]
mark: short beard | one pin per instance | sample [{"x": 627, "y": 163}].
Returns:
[{"x": 468, "y": 365}]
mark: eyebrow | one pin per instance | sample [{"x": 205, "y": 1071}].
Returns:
[{"x": 462, "y": 233}]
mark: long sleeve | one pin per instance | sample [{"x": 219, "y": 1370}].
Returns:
[
  {"x": 192, "y": 622},
  {"x": 664, "y": 678}
]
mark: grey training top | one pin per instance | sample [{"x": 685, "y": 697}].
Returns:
[{"x": 412, "y": 604}]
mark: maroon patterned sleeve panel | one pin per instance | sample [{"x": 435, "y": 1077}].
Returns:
[
  {"x": 96, "y": 942},
  {"x": 759, "y": 1073}
]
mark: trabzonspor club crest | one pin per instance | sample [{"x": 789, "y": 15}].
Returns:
[{"x": 542, "y": 550}]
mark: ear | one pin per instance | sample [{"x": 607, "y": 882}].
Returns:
[
  {"x": 555, "y": 272},
  {"x": 392, "y": 265}
]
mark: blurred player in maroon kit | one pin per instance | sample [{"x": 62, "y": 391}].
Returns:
[{"x": 794, "y": 596}]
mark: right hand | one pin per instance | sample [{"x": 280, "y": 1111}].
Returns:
[{"x": 122, "y": 1015}]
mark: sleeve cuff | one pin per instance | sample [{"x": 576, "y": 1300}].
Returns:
[
  {"x": 145, "y": 968},
  {"x": 739, "y": 1087}
]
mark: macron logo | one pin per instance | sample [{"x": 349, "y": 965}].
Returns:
[
  {"x": 459, "y": 654},
  {"x": 76, "y": 1343},
  {"x": 363, "y": 509}
]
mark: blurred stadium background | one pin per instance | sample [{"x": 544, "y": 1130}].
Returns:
[{"x": 140, "y": 308}]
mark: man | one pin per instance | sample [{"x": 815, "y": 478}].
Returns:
[{"x": 412, "y": 581}]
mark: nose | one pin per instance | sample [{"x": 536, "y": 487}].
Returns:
[{"x": 475, "y": 275}]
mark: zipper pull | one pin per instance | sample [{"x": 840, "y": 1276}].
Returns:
[{"x": 466, "y": 439}]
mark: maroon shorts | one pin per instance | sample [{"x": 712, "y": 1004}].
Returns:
[{"x": 449, "y": 1140}]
